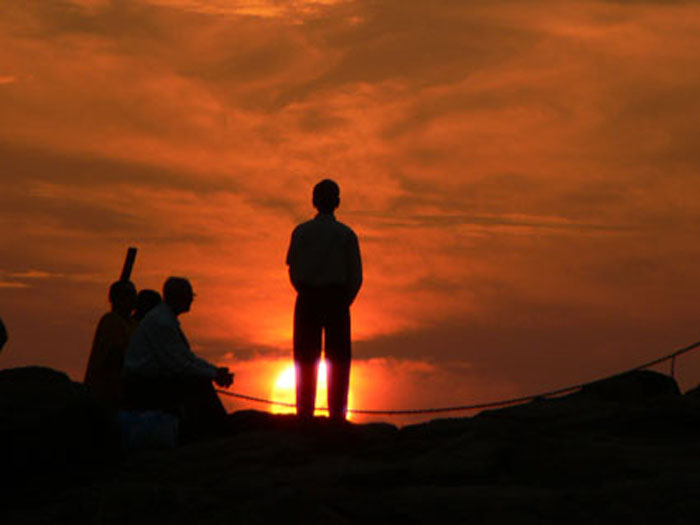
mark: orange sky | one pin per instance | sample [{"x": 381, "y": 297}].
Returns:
[{"x": 524, "y": 178}]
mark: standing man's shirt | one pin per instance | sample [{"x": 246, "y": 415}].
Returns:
[
  {"x": 159, "y": 348},
  {"x": 325, "y": 252}
]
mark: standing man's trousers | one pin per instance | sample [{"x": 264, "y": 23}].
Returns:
[{"x": 322, "y": 310}]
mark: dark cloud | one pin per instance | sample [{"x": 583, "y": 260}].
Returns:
[
  {"x": 318, "y": 120},
  {"x": 27, "y": 164},
  {"x": 72, "y": 215},
  {"x": 447, "y": 220},
  {"x": 241, "y": 349},
  {"x": 434, "y": 106},
  {"x": 269, "y": 63},
  {"x": 539, "y": 347},
  {"x": 403, "y": 42},
  {"x": 116, "y": 20}
]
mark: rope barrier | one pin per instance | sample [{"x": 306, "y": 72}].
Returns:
[{"x": 493, "y": 404}]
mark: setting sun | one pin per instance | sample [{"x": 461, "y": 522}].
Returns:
[{"x": 284, "y": 391}]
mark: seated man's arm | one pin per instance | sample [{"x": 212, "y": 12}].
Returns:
[
  {"x": 175, "y": 356},
  {"x": 292, "y": 261}
]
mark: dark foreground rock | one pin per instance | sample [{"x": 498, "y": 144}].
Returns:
[
  {"x": 52, "y": 432},
  {"x": 626, "y": 452}
]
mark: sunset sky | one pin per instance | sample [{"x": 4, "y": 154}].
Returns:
[{"x": 523, "y": 176}]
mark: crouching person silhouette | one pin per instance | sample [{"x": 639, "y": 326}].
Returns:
[
  {"x": 162, "y": 373},
  {"x": 325, "y": 268}
]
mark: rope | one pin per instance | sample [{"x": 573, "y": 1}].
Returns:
[{"x": 493, "y": 404}]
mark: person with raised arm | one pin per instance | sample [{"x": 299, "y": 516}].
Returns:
[
  {"x": 325, "y": 269},
  {"x": 103, "y": 374}
]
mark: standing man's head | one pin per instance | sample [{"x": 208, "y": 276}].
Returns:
[
  {"x": 326, "y": 196},
  {"x": 178, "y": 294},
  {"x": 122, "y": 297}
]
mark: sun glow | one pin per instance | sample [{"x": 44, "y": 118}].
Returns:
[{"x": 284, "y": 390}]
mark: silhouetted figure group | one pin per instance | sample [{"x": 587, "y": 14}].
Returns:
[
  {"x": 142, "y": 361},
  {"x": 105, "y": 368}
]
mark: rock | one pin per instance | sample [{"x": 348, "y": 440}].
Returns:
[
  {"x": 53, "y": 431},
  {"x": 635, "y": 386},
  {"x": 624, "y": 450},
  {"x": 693, "y": 393}
]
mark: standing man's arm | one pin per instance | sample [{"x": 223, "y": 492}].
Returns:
[
  {"x": 291, "y": 261},
  {"x": 354, "y": 268}
]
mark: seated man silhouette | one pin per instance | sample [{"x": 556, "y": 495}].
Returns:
[
  {"x": 162, "y": 373},
  {"x": 103, "y": 374},
  {"x": 326, "y": 270}
]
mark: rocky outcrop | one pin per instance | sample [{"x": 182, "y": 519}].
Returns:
[
  {"x": 636, "y": 386},
  {"x": 53, "y": 432},
  {"x": 608, "y": 454}
]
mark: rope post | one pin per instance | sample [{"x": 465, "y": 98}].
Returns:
[
  {"x": 128, "y": 264},
  {"x": 493, "y": 404},
  {"x": 673, "y": 367}
]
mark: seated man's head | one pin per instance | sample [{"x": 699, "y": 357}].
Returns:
[
  {"x": 326, "y": 197},
  {"x": 178, "y": 294},
  {"x": 122, "y": 296}
]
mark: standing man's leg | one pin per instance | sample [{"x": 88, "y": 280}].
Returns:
[
  {"x": 307, "y": 352},
  {"x": 338, "y": 356}
]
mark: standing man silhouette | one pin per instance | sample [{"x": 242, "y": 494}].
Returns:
[{"x": 326, "y": 270}]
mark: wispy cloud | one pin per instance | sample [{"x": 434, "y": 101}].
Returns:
[
  {"x": 34, "y": 274},
  {"x": 259, "y": 8},
  {"x": 13, "y": 284},
  {"x": 536, "y": 224}
]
